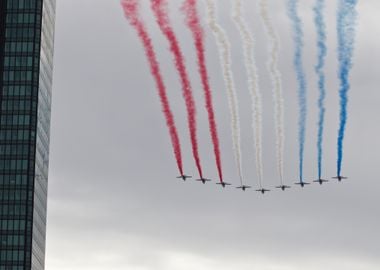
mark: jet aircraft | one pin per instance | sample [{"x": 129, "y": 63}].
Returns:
[
  {"x": 223, "y": 184},
  {"x": 262, "y": 190},
  {"x": 320, "y": 181},
  {"x": 184, "y": 177},
  {"x": 203, "y": 180},
  {"x": 340, "y": 178},
  {"x": 243, "y": 187},
  {"x": 302, "y": 183},
  {"x": 283, "y": 187}
]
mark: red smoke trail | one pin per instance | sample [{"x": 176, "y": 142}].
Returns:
[
  {"x": 192, "y": 20},
  {"x": 131, "y": 10},
  {"x": 159, "y": 8}
]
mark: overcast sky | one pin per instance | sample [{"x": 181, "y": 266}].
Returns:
[{"x": 114, "y": 202}]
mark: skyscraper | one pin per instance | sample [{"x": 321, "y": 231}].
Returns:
[{"x": 26, "y": 64}]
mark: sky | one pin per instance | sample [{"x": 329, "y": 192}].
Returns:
[{"x": 114, "y": 202}]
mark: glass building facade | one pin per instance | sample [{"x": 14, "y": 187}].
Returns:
[{"x": 26, "y": 65}]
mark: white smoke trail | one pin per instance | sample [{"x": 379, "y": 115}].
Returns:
[
  {"x": 277, "y": 86},
  {"x": 224, "y": 48},
  {"x": 253, "y": 84}
]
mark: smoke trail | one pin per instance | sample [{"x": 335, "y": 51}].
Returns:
[
  {"x": 131, "y": 10},
  {"x": 250, "y": 65},
  {"x": 346, "y": 37},
  {"x": 277, "y": 87},
  {"x": 159, "y": 8},
  {"x": 192, "y": 20},
  {"x": 225, "y": 58},
  {"x": 322, "y": 51},
  {"x": 298, "y": 65}
]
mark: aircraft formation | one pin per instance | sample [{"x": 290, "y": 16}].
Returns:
[
  {"x": 345, "y": 20},
  {"x": 223, "y": 184}
]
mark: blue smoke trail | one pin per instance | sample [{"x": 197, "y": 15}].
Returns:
[
  {"x": 322, "y": 51},
  {"x": 346, "y": 36},
  {"x": 301, "y": 78}
]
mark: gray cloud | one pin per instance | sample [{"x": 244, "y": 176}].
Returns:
[{"x": 113, "y": 200}]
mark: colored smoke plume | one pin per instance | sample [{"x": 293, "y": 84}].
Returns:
[
  {"x": 131, "y": 10},
  {"x": 253, "y": 85},
  {"x": 160, "y": 11},
  {"x": 277, "y": 91},
  {"x": 224, "y": 49},
  {"x": 301, "y": 79},
  {"x": 193, "y": 22},
  {"x": 346, "y": 40}
]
